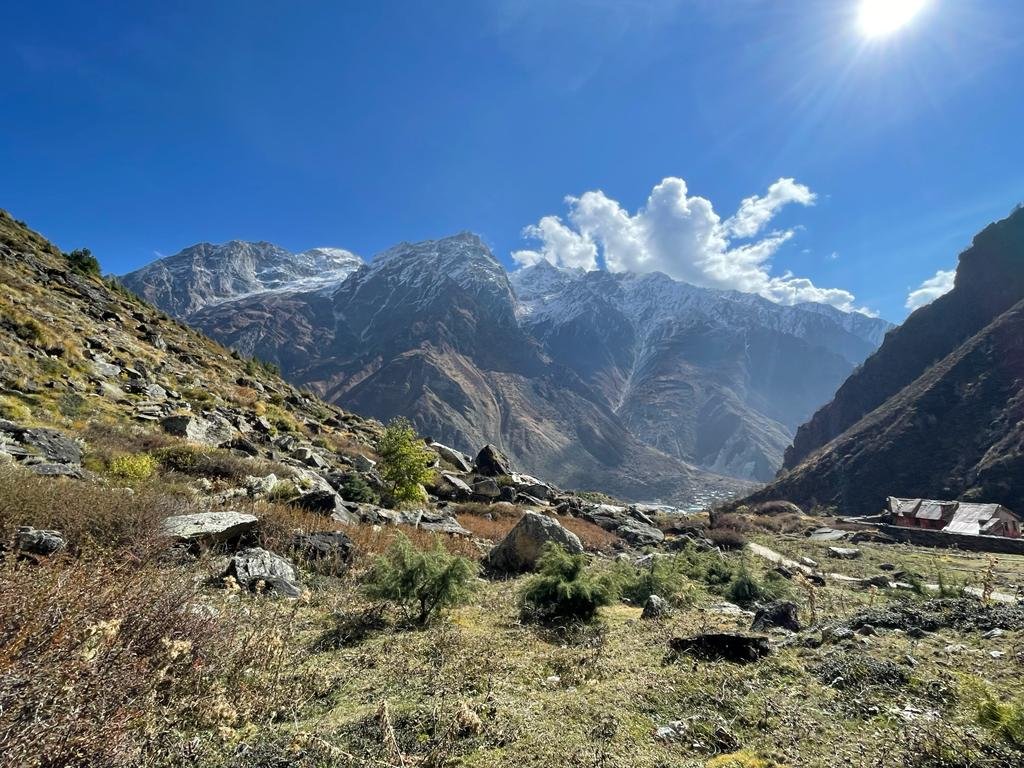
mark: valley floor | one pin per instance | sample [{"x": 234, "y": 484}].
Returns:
[{"x": 332, "y": 679}]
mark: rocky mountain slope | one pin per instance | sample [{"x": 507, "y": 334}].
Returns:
[
  {"x": 205, "y": 273},
  {"x": 989, "y": 280},
  {"x": 937, "y": 411},
  {"x": 429, "y": 330},
  {"x": 593, "y": 379},
  {"x": 719, "y": 378}
]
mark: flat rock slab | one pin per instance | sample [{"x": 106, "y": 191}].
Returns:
[
  {"x": 209, "y": 527},
  {"x": 722, "y": 646},
  {"x": 257, "y": 569},
  {"x": 844, "y": 553},
  {"x": 828, "y": 534}
]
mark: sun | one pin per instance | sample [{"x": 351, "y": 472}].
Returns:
[{"x": 877, "y": 18}]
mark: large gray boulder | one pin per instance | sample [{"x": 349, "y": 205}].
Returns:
[
  {"x": 457, "y": 459},
  {"x": 257, "y": 569},
  {"x": 519, "y": 550},
  {"x": 491, "y": 462},
  {"x": 209, "y": 527},
  {"x": 197, "y": 429}
]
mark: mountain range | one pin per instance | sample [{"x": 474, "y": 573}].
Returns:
[
  {"x": 637, "y": 385},
  {"x": 938, "y": 410}
]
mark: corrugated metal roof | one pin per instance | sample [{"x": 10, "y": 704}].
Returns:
[
  {"x": 934, "y": 510},
  {"x": 973, "y": 518}
]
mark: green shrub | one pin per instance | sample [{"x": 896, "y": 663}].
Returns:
[
  {"x": 82, "y": 260},
  {"x": 565, "y": 589},
  {"x": 746, "y": 589},
  {"x": 421, "y": 582},
  {"x": 1004, "y": 718},
  {"x": 405, "y": 462},
  {"x": 133, "y": 467},
  {"x": 283, "y": 490},
  {"x": 179, "y": 458},
  {"x": 667, "y": 577},
  {"x": 354, "y": 488}
]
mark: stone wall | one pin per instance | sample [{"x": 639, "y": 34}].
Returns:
[{"x": 926, "y": 538}]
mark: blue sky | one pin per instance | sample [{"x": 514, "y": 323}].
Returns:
[{"x": 137, "y": 129}]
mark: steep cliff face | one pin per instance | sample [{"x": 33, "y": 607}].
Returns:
[
  {"x": 989, "y": 280},
  {"x": 956, "y": 432}
]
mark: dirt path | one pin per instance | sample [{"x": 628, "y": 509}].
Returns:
[{"x": 772, "y": 556}]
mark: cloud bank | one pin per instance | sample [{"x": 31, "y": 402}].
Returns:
[
  {"x": 682, "y": 236},
  {"x": 941, "y": 282}
]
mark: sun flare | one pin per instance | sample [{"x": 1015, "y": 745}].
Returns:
[{"x": 877, "y": 18}]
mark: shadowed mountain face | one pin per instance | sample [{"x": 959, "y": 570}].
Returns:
[
  {"x": 617, "y": 382},
  {"x": 989, "y": 280},
  {"x": 938, "y": 410}
]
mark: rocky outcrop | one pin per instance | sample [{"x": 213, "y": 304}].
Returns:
[
  {"x": 519, "y": 550},
  {"x": 491, "y": 462}
]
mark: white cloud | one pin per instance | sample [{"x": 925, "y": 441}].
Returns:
[
  {"x": 941, "y": 282},
  {"x": 757, "y": 211},
  {"x": 682, "y": 236}
]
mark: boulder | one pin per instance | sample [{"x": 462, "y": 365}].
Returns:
[
  {"x": 36, "y": 541},
  {"x": 486, "y": 489},
  {"x": 257, "y": 569},
  {"x": 519, "y": 550},
  {"x": 656, "y": 608},
  {"x": 452, "y": 487},
  {"x": 46, "y": 469},
  {"x": 781, "y": 614},
  {"x": 260, "y": 486},
  {"x": 363, "y": 464},
  {"x": 438, "y": 522},
  {"x": 333, "y": 547},
  {"x": 209, "y": 527},
  {"x": 491, "y": 462},
  {"x": 51, "y": 444},
  {"x": 328, "y": 503},
  {"x": 844, "y": 553},
  {"x": 196, "y": 429},
  {"x": 530, "y": 486},
  {"x": 639, "y": 534},
  {"x": 722, "y": 646},
  {"x": 457, "y": 459}
]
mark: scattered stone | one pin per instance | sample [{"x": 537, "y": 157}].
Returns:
[
  {"x": 209, "y": 527},
  {"x": 363, "y": 464},
  {"x": 47, "y": 469},
  {"x": 260, "y": 486},
  {"x": 962, "y": 614},
  {"x": 781, "y": 614},
  {"x": 487, "y": 489},
  {"x": 453, "y": 487},
  {"x": 457, "y": 459},
  {"x": 51, "y": 444},
  {"x": 827, "y": 534},
  {"x": 656, "y": 608},
  {"x": 807, "y": 562},
  {"x": 844, "y": 553},
  {"x": 519, "y": 550},
  {"x": 196, "y": 429},
  {"x": 886, "y": 567},
  {"x": 257, "y": 569},
  {"x": 722, "y": 646},
  {"x": 491, "y": 462},
  {"x": 37, "y": 541},
  {"x": 331, "y": 546}
]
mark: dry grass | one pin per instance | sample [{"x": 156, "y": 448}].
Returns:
[
  {"x": 119, "y": 665},
  {"x": 592, "y": 536},
  {"x": 90, "y": 516}
]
